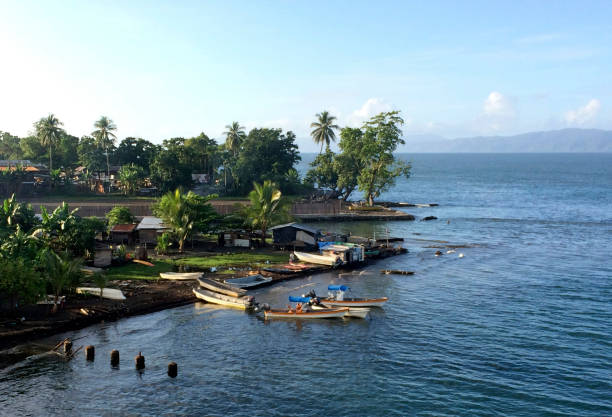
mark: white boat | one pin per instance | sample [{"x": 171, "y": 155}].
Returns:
[
  {"x": 313, "y": 314},
  {"x": 242, "y": 303},
  {"x": 336, "y": 298},
  {"x": 180, "y": 276},
  {"x": 312, "y": 258},
  {"x": 249, "y": 282},
  {"x": 357, "y": 312},
  {"x": 110, "y": 293},
  {"x": 221, "y": 287}
]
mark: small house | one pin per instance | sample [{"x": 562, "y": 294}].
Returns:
[
  {"x": 123, "y": 233},
  {"x": 295, "y": 235},
  {"x": 149, "y": 229}
]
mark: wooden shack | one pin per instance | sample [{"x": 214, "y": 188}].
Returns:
[
  {"x": 149, "y": 229},
  {"x": 295, "y": 235},
  {"x": 123, "y": 233}
]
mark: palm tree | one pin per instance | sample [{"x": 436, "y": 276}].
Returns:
[
  {"x": 323, "y": 131},
  {"x": 48, "y": 132},
  {"x": 174, "y": 210},
  {"x": 234, "y": 136},
  {"x": 105, "y": 137},
  {"x": 265, "y": 206}
]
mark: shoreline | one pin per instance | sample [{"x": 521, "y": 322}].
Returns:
[{"x": 143, "y": 297}]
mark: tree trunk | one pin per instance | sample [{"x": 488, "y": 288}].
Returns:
[
  {"x": 263, "y": 237},
  {"x": 107, "y": 169}
]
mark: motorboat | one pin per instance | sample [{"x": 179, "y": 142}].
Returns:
[
  {"x": 336, "y": 298},
  {"x": 325, "y": 313},
  {"x": 357, "y": 312}
]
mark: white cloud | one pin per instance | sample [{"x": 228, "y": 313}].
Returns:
[
  {"x": 370, "y": 108},
  {"x": 497, "y": 105},
  {"x": 583, "y": 114}
]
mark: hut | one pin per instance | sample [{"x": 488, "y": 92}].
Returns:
[
  {"x": 235, "y": 238},
  {"x": 123, "y": 233},
  {"x": 295, "y": 235},
  {"x": 149, "y": 228}
]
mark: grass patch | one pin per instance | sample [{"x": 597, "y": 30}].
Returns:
[
  {"x": 138, "y": 271},
  {"x": 234, "y": 260}
]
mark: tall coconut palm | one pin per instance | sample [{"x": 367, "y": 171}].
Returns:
[
  {"x": 323, "y": 131},
  {"x": 105, "y": 137},
  {"x": 234, "y": 136},
  {"x": 48, "y": 132},
  {"x": 265, "y": 206}
]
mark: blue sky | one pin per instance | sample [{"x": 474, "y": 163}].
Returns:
[{"x": 164, "y": 69}]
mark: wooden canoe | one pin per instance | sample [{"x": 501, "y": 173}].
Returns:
[
  {"x": 326, "y": 313},
  {"x": 242, "y": 303},
  {"x": 220, "y": 287},
  {"x": 180, "y": 276},
  {"x": 354, "y": 302}
]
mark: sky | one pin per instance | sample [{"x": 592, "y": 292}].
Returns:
[{"x": 164, "y": 69}]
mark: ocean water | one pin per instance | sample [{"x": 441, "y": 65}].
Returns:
[{"x": 521, "y": 325}]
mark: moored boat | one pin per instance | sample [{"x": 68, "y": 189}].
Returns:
[
  {"x": 221, "y": 287},
  {"x": 180, "y": 276},
  {"x": 249, "y": 282},
  {"x": 330, "y": 260},
  {"x": 336, "y": 298},
  {"x": 243, "y": 303},
  {"x": 313, "y": 314},
  {"x": 357, "y": 312}
]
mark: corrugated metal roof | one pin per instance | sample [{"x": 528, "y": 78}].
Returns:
[
  {"x": 124, "y": 228},
  {"x": 150, "y": 222},
  {"x": 298, "y": 226}
]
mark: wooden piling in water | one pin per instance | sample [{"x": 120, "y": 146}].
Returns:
[
  {"x": 90, "y": 353},
  {"x": 172, "y": 369},
  {"x": 67, "y": 347},
  {"x": 114, "y": 356},
  {"x": 140, "y": 361}
]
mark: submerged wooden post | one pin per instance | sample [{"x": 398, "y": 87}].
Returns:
[
  {"x": 114, "y": 358},
  {"x": 67, "y": 347},
  {"x": 140, "y": 361},
  {"x": 172, "y": 369},
  {"x": 90, "y": 353}
]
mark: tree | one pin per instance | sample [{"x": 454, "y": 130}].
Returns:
[
  {"x": 234, "y": 137},
  {"x": 48, "y": 132},
  {"x": 130, "y": 176},
  {"x": 265, "y": 207},
  {"x": 136, "y": 151},
  {"x": 185, "y": 213},
  {"x": 323, "y": 173},
  {"x": 381, "y": 136},
  {"x": 9, "y": 146},
  {"x": 267, "y": 154},
  {"x": 349, "y": 163},
  {"x": 323, "y": 131},
  {"x": 19, "y": 281},
  {"x": 14, "y": 214},
  {"x": 62, "y": 271},
  {"x": 119, "y": 215},
  {"x": 105, "y": 137},
  {"x": 167, "y": 171}
]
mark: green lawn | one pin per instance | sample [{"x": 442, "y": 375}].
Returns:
[
  {"x": 137, "y": 271},
  {"x": 234, "y": 260}
]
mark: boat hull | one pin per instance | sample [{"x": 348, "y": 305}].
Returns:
[
  {"x": 354, "y": 302},
  {"x": 220, "y": 287},
  {"x": 316, "y": 314},
  {"x": 110, "y": 293},
  {"x": 316, "y": 259},
  {"x": 250, "y": 282},
  {"x": 356, "y": 312},
  {"x": 242, "y": 303},
  {"x": 180, "y": 276}
]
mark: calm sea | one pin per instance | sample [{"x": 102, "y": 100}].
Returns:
[{"x": 521, "y": 325}]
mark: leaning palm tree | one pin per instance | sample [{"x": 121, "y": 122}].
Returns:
[
  {"x": 323, "y": 131},
  {"x": 105, "y": 137},
  {"x": 48, "y": 132},
  {"x": 265, "y": 206},
  {"x": 234, "y": 136}
]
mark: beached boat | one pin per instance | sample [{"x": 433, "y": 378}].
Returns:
[
  {"x": 249, "y": 282},
  {"x": 110, "y": 293},
  {"x": 330, "y": 260},
  {"x": 180, "y": 276},
  {"x": 336, "y": 298},
  {"x": 221, "y": 287},
  {"x": 242, "y": 303},
  {"x": 326, "y": 313},
  {"x": 357, "y": 312}
]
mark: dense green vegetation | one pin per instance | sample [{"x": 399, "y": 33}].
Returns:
[{"x": 243, "y": 259}]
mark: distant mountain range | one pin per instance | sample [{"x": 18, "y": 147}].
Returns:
[{"x": 564, "y": 140}]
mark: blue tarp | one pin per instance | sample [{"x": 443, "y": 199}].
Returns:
[
  {"x": 299, "y": 299},
  {"x": 337, "y": 288},
  {"x": 323, "y": 244}
]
